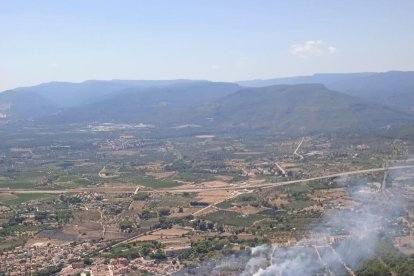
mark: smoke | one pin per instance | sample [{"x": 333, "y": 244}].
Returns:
[{"x": 343, "y": 241}]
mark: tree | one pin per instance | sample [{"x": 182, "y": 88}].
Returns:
[
  {"x": 158, "y": 255},
  {"x": 164, "y": 212},
  {"x": 40, "y": 216},
  {"x": 126, "y": 224},
  {"x": 87, "y": 261},
  {"x": 141, "y": 196},
  {"x": 147, "y": 214}
]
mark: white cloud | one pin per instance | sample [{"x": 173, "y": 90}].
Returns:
[
  {"x": 52, "y": 65},
  {"x": 312, "y": 48}
]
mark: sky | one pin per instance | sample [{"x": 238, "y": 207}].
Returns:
[{"x": 220, "y": 40}]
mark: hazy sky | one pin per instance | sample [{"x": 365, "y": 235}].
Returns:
[{"x": 75, "y": 40}]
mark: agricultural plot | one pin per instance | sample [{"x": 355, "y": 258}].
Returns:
[
  {"x": 14, "y": 199},
  {"x": 232, "y": 218}
]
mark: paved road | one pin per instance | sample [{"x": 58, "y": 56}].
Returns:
[
  {"x": 235, "y": 187},
  {"x": 283, "y": 183}
]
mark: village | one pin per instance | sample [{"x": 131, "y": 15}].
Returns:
[{"x": 124, "y": 204}]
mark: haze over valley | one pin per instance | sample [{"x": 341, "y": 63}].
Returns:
[{"x": 213, "y": 137}]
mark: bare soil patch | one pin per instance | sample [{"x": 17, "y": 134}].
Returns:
[
  {"x": 212, "y": 196},
  {"x": 58, "y": 234},
  {"x": 42, "y": 242},
  {"x": 279, "y": 201},
  {"x": 313, "y": 208},
  {"x": 405, "y": 244},
  {"x": 173, "y": 235},
  {"x": 7, "y": 196},
  {"x": 224, "y": 178},
  {"x": 87, "y": 230},
  {"x": 328, "y": 194},
  {"x": 90, "y": 215},
  {"x": 213, "y": 184},
  {"x": 137, "y": 205}
]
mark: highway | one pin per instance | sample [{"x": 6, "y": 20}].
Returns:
[
  {"x": 284, "y": 183},
  {"x": 241, "y": 186}
]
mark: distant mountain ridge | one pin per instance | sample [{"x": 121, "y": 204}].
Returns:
[
  {"x": 67, "y": 94},
  {"x": 302, "y": 108},
  {"x": 161, "y": 105},
  {"x": 325, "y": 79},
  {"x": 394, "y": 88},
  {"x": 360, "y": 101}
]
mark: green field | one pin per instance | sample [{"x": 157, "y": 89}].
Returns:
[
  {"x": 16, "y": 184},
  {"x": 232, "y": 218},
  {"x": 20, "y": 198},
  {"x": 155, "y": 183}
]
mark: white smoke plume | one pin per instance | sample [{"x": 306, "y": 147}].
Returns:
[
  {"x": 343, "y": 241},
  {"x": 340, "y": 244}
]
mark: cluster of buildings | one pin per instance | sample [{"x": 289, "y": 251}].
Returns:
[
  {"x": 121, "y": 266},
  {"x": 70, "y": 257},
  {"x": 27, "y": 260}
]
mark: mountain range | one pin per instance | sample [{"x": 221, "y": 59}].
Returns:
[
  {"x": 308, "y": 104},
  {"x": 394, "y": 88}
]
